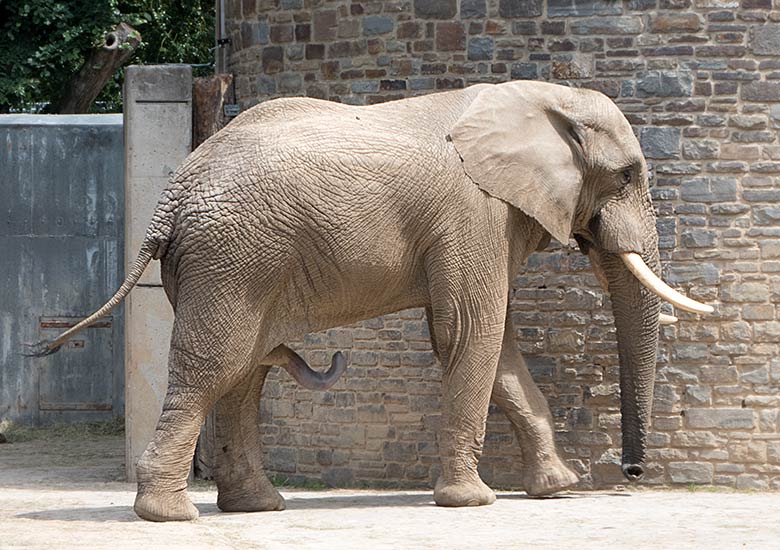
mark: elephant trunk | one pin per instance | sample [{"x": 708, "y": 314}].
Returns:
[{"x": 636, "y": 310}]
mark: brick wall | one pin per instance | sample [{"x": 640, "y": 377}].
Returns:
[{"x": 700, "y": 82}]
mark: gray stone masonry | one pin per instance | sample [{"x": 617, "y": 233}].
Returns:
[{"x": 700, "y": 82}]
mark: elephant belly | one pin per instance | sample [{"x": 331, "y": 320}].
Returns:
[
  {"x": 353, "y": 277},
  {"x": 353, "y": 293}
]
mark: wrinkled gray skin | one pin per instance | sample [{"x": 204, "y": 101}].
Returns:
[{"x": 303, "y": 215}]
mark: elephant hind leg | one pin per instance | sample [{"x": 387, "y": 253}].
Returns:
[
  {"x": 239, "y": 473},
  {"x": 206, "y": 356},
  {"x": 516, "y": 394}
]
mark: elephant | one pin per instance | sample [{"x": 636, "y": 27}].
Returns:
[{"x": 304, "y": 214}]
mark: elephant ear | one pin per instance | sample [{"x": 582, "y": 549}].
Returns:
[{"x": 518, "y": 145}]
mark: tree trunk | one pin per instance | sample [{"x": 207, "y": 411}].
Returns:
[
  {"x": 209, "y": 96},
  {"x": 117, "y": 49}
]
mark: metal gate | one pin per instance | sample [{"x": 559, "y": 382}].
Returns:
[{"x": 61, "y": 257}]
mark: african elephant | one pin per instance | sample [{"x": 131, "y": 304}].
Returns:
[{"x": 305, "y": 214}]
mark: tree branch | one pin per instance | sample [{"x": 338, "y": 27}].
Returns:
[{"x": 117, "y": 49}]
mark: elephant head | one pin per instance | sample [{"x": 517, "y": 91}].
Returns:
[{"x": 569, "y": 158}]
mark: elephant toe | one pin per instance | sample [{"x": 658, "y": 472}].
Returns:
[
  {"x": 174, "y": 506},
  {"x": 463, "y": 493},
  {"x": 267, "y": 501},
  {"x": 548, "y": 478}
]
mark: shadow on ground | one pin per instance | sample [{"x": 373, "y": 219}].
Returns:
[{"x": 324, "y": 502}]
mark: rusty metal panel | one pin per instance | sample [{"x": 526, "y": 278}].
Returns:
[{"x": 62, "y": 249}]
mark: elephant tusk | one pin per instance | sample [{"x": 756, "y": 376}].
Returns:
[
  {"x": 666, "y": 319},
  {"x": 652, "y": 282},
  {"x": 663, "y": 318}
]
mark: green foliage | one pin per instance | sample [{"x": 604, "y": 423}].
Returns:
[
  {"x": 305, "y": 483},
  {"x": 43, "y": 43}
]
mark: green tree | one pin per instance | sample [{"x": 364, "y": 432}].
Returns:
[{"x": 43, "y": 43}]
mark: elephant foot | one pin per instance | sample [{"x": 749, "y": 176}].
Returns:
[
  {"x": 548, "y": 477},
  {"x": 463, "y": 493},
  {"x": 173, "y": 506},
  {"x": 267, "y": 500}
]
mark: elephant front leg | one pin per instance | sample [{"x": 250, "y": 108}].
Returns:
[
  {"x": 239, "y": 473},
  {"x": 515, "y": 392},
  {"x": 467, "y": 329}
]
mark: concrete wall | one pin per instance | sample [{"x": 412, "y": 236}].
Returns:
[
  {"x": 61, "y": 250},
  {"x": 698, "y": 79},
  {"x": 158, "y": 136}
]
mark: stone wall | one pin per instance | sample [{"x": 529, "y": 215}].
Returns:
[{"x": 700, "y": 82}]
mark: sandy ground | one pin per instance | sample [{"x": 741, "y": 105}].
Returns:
[{"x": 66, "y": 494}]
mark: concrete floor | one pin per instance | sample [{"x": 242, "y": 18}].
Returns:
[{"x": 65, "y": 494}]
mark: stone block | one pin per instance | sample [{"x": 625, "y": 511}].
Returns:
[
  {"x": 607, "y": 25},
  {"x": 660, "y": 142},
  {"x": 695, "y": 439},
  {"x": 572, "y": 67},
  {"x": 480, "y": 48},
  {"x": 697, "y": 395},
  {"x": 699, "y": 238},
  {"x": 282, "y": 33},
  {"x": 524, "y": 71},
  {"x": 691, "y": 472},
  {"x": 767, "y": 332},
  {"x": 725, "y": 419},
  {"x": 450, "y": 36},
  {"x": 520, "y": 8},
  {"x": 266, "y": 85},
  {"x": 665, "y": 84},
  {"x": 758, "y": 312},
  {"x": 665, "y": 398},
  {"x": 524, "y": 28},
  {"x": 751, "y": 291},
  {"x": 697, "y": 149},
  {"x": 472, "y": 9},
  {"x": 761, "y": 91},
  {"x": 675, "y": 22},
  {"x": 435, "y": 9},
  {"x": 282, "y": 459},
  {"x": 374, "y": 25},
  {"x": 272, "y": 59},
  {"x": 765, "y": 39},
  {"x": 365, "y": 86},
  {"x": 766, "y": 215},
  {"x": 751, "y": 482},
  {"x": 714, "y": 189},
  {"x": 770, "y": 248},
  {"x": 565, "y": 340},
  {"x": 338, "y": 477},
  {"x": 325, "y": 25},
  {"x": 290, "y": 83},
  {"x": 702, "y": 273},
  {"x": 397, "y": 451},
  {"x": 773, "y": 452},
  {"x": 582, "y": 8}
]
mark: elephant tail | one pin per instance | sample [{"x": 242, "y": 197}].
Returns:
[{"x": 149, "y": 249}]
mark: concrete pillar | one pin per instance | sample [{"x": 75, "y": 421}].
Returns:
[{"x": 158, "y": 136}]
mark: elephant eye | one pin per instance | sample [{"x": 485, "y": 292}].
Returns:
[{"x": 625, "y": 177}]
